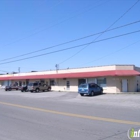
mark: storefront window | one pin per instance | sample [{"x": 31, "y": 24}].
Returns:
[
  {"x": 101, "y": 82},
  {"x": 52, "y": 82},
  {"x": 81, "y": 81},
  {"x": 42, "y": 81}
]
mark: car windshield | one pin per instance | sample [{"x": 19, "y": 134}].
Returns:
[
  {"x": 83, "y": 86},
  {"x": 30, "y": 84},
  {"x": 35, "y": 84}
]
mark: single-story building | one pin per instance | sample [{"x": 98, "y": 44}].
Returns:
[{"x": 113, "y": 79}]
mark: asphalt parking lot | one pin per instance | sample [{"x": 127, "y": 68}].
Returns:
[
  {"x": 67, "y": 115},
  {"x": 125, "y": 100}
]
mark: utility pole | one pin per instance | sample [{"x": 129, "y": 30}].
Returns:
[
  {"x": 19, "y": 69},
  {"x": 57, "y": 67}
]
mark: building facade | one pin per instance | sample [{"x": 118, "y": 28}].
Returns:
[{"x": 113, "y": 79}]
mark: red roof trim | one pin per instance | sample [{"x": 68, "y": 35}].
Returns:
[{"x": 76, "y": 75}]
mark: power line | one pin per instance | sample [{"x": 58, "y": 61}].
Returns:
[
  {"x": 3, "y": 71},
  {"x": 34, "y": 29},
  {"x": 72, "y": 47},
  {"x": 55, "y": 24},
  {"x": 101, "y": 33},
  {"x": 122, "y": 26},
  {"x": 113, "y": 52}
]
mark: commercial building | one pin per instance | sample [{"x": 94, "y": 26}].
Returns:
[{"x": 113, "y": 79}]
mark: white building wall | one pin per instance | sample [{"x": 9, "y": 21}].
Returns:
[
  {"x": 124, "y": 67},
  {"x": 110, "y": 85},
  {"x": 131, "y": 83},
  {"x": 109, "y": 88},
  {"x": 61, "y": 85}
]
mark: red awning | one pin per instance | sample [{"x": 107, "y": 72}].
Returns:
[{"x": 76, "y": 75}]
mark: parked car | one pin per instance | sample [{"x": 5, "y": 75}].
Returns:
[
  {"x": 38, "y": 87},
  {"x": 89, "y": 89},
  {"x": 12, "y": 87},
  {"x": 24, "y": 88}
]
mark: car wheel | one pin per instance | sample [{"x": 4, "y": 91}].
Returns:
[
  {"x": 92, "y": 93},
  {"x": 48, "y": 89},
  {"x": 37, "y": 90},
  {"x": 81, "y": 94}
]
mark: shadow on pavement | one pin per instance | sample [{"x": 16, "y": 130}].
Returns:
[{"x": 95, "y": 95}]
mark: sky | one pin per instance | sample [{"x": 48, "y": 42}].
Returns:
[{"x": 30, "y": 25}]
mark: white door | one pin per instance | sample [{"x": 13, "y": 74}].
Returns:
[{"x": 124, "y": 85}]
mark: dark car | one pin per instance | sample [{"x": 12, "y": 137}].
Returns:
[
  {"x": 24, "y": 89},
  {"x": 11, "y": 87},
  {"x": 89, "y": 89}
]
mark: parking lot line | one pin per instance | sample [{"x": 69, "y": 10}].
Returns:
[{"x": 73, "y": 115}]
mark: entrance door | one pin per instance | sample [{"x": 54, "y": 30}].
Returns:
[
  {"x": 68, "y": 85},
  {"x": 124, "y": 85}
]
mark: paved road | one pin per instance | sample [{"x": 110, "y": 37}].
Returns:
[{"x": 67, "y": 116}]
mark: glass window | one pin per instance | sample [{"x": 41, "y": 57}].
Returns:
[
  {"x": 15, "y": 84},
  {"x": 101, "y": 82},
  {"x": 52, "y": 82},
  {"x": 92, "y": 85},
  {"x": 83, "y": 86},
  {"x": 81, "y": 81},
  {"x": 42, "y": 81},
  {"x": 35, "y": 84},
  {"x": 30, "y": 84}
]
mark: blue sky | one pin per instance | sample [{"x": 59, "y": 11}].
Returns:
[{"x": 30, "y": 25}]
